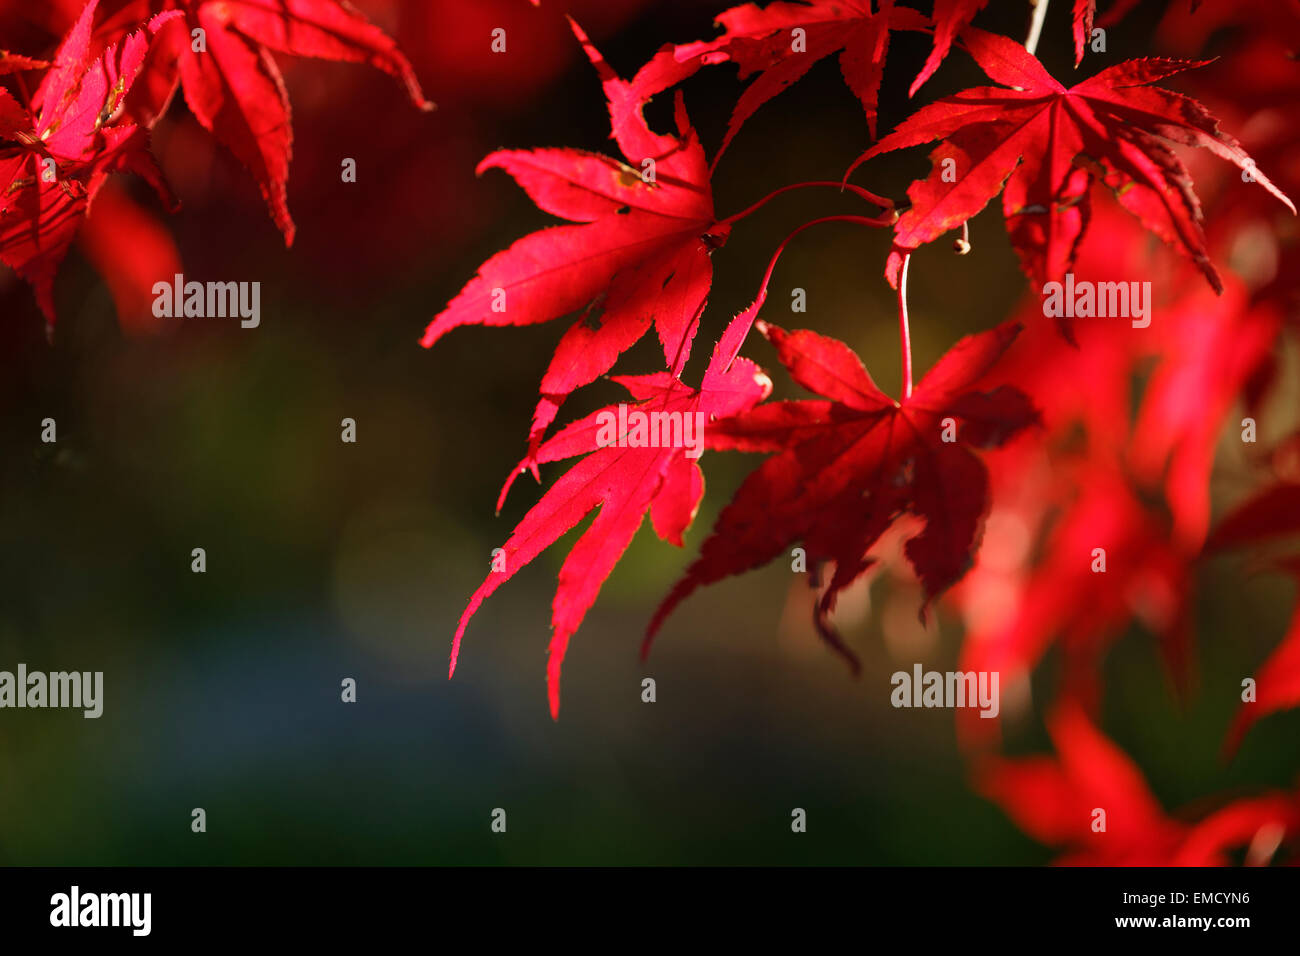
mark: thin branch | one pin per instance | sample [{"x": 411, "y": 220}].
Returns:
[
  {"x": 904, "y": 330},
  {"x": 882, "y": 223},
  {"x": 761, "y": 298},
  {"x": 856, "y": 190},
  {"x": 1036, "y": 26}
]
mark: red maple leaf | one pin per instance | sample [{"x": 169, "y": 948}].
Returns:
[
  {"x": 130, "y": 247},
  {"x": 1209, "y": 349},
  {"x": 232, "y": 84},
  {"x": 639, "y": 252},
  {"x": 622, "y": 477},
  {"x": 644, "y": 231},
  {"x": 1084, "y": 12},
  {"x": 13, "y": 63},
  {"x": 846, "y": 468},
  {"x": 950, "y": 18},
  {"x": 953, "y": 16},
  {"x": 1056, "y": 801},
  {"x": 1069, "y": 601},
  {"x": 780, "y": 43},
  {"x": 1119, "y": 469},
  {"x": 54, "y": 158},
  {"x": 1043, "y": 146}
]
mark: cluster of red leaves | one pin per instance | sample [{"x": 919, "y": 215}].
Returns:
[
  {"x": 1003, "y": 473},
  {"x": 1024, "y": 138},
  {"x": 115, "y": 74},
  {"x": 1137, "y": 482},
  {"x": 1123, "y": 464},
  {"x": 1054, "y": 799}
]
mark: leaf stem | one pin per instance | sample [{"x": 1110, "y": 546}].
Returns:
[
  {"x": 857, "y": 190},
  {"x": 961, "y": 246},
  {"x": 904, "y": 330},
  {"x": 860, "y": 220},
  {"x": 1036, "y": 26},
  {"x": 729, "y": 346}
]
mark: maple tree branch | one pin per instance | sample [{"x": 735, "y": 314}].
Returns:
[
  {"x": 1036, "y": 26},
  {"x": 904, "y": 331},
  {"x": 857, "y": 190}
]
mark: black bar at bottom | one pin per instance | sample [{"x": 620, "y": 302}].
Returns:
[{"x": 336, "y": 904}]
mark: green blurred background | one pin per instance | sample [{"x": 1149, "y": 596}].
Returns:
[{"x": 328, "y": 560}]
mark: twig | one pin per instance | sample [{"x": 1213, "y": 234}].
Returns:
[{"x": 1036, "y": 26}]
